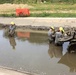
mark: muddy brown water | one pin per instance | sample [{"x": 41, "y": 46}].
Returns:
[{"x": 31, "y": 52}]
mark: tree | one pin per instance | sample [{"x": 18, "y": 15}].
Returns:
[
  {"x": 51, "y": 1},
  {"x": 42, "y": 0},
  {"x": 73, "y": 1}
]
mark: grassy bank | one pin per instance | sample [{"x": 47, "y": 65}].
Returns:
[
  {"x": 43, "y": 15},
  {"x": 54, "y": 15},
  {"x": 40, "y": 9}
]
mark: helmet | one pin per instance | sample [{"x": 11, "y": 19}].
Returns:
[
  {"x": 61, "y": 29},
  {"x": 52, "y": 27},
  {"x": 12, "y": 23}
]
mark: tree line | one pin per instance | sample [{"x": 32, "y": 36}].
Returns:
[{"x": 36, "y": 1}]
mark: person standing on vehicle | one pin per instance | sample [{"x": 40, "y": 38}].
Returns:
[{"x": 59, "y": 34}]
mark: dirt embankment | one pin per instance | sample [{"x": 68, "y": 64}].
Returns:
[{"x": 35, "y": 24}]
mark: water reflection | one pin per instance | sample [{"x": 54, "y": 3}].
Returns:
[
  {"x": 55, "y": 51},
  {"x": 34, "y": 54},
  {"x": 23, "y": 34},
  {"x": 69, "y": 60},
  {"x": 64, "y": 47},
  {"x": 38, "y": 38},
  {"x": 31, "y": 37},
  {"x": 12, "y": 42},
  {"x": 11, "y": 39}
]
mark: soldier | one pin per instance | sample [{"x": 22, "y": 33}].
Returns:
[
  {"x": 59, "y": 34},
  {"x": 51, "y": 33},
  {"x": 12, "y": 29}
]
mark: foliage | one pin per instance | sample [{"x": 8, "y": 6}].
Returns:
[
  {"x": 43, "y": 15},
  {"x": 54, "y": 15}
]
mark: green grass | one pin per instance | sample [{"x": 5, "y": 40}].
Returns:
[
  {"x": 53, "y": 6},
  {"x": 43, "y": 15},
  {"x": 54, "y": 15},
  {"x": 46, "y": 10},
  {"x": 7, "y": 15}
]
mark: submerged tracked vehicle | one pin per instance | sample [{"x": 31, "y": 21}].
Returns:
[{"x": 72, "y": 42}]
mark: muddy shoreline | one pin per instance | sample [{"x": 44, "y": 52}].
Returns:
[
  {"x": 36, "y": 29},
  {"x": 40, "y": 23}
]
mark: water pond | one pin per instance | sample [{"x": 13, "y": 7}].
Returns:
[{"x": 31, "y": 52}]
